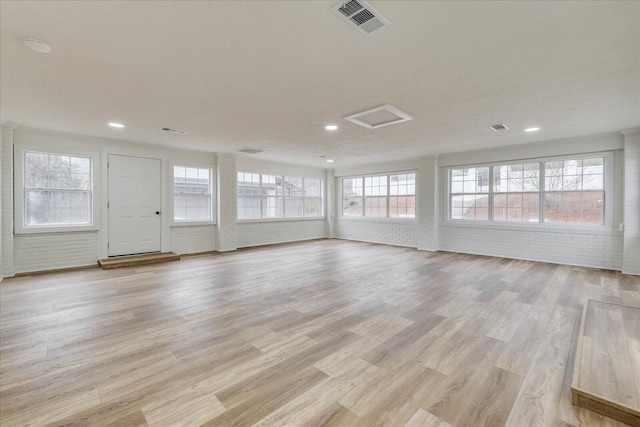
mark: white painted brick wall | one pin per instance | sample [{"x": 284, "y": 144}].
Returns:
[
  {"x": 631, "y": 262},
  {"x": 7, "y": 203},
  {"x": 193, "y": 239},
  {"x": 51, "y": 251},
  {"x": 597, "y": 248},
  {"x": 227, "y": 230},
  {"x": 391, "y": 232},
  {"x": 428, "y": 204},
  {"x": 1, "y": 251},
  {"x": 269, "y": 232}
]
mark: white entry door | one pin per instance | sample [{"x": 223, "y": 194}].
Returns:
[{"x": 134, "y": 205}]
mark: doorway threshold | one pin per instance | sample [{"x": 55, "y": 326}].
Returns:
[{"x": 136, "y": 260}]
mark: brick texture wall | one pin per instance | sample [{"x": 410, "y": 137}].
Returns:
[
  {"x": 193, "y": 239},
  {"x": 399, "y": 233},
  {"x": 51, "y": 251},
  {"x": 601, "y": 249},
  {"x": 7, "y": 202},
  {"x": 631, "y": 263},
  {"x": 226, "y": 239},
  {"x": 264, "y": 233}
]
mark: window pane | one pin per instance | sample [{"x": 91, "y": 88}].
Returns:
[
  {"x": 293, "y": 207},
  {"x": 575, "y": 207},
  {"x": 402, "y": 207},
  {"x": 352, "y": 206},
  {"x": 375, "y": 186},
  {"x": 248, "y": 207},
  {"x": 293, "y": 186},
  {"x": 500, "y": 207},
  {"x": 57, "y": 207},
  {"x": 57, "y": 189},
  {"x": 402, "y": 184},
  {"x": 352, "y": 191},
  {"x": 470, "y": 207},
  {"x": 312, "y": 187},
  {"x": 272, "y": 207},
  {"x": 472, "y": 180},
  {"x": 313, "y": 206},
  {"x": 272, "y": 185},
  {"x": 375, "y": 206},
  {"x": 192, "y": 200}
]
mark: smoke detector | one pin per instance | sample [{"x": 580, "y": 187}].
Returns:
[
  {"x": 361, "y": 16},
  {"x": 37, "y": 45}
]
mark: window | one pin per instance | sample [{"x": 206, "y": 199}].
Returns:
[
  {"x": 561, "y": 191},
  {"x": 57, "y": 190},
  {"x": 192, "y": 194},
  {"x": 273, "y": 196},
  {"x": 384, "y": 196}
]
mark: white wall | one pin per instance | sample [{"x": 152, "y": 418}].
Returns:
[
  {"x": 1, "y": 157},
  {"x": 255, "y": 233},
  {"x": 609, "y": 248},
  {"x": 631, "y": 263},
  {"x": 7, "y": 202},
  {"x": 31, "y": 252},
  {"x": 398, "y": 232},
  {"x": 584, "y": 246}
]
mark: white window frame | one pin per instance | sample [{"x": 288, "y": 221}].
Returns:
[
  {"x": 386, "y": 218},
  {"x": 608, "y": 188},
  {"x": 20, "y": 226},
  {"x": 322, "y": 215},
  {"x": 212, "y": 180}
]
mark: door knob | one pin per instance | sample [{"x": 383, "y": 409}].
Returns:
[{"x": 157, "y": 212}]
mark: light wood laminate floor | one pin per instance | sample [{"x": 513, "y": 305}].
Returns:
[{"x": 325, "y": 332}]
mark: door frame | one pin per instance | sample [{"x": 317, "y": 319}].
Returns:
[{"x": 118, "y": 150}]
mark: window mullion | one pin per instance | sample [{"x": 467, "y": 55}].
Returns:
[
  {"x": 490, "y": 203},
  {"x": 284, "y": 197},
  {"x": 388, "y": 193},
  {"x": 541, "y": 193},
  {"x": 363, "y": 196}
]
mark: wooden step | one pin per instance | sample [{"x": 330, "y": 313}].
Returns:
[
  {"x": 606, "y": 376},
  {"x": 135, "y": 260}
]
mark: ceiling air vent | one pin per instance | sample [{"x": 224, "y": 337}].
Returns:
[
  {"x": 178, "y": 131},
  {"x": 360, "y": 15},
  {"x": 249, "y": 150},
  {"x": 499, "y": 127}
]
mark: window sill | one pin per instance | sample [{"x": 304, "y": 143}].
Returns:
[
  {"x": 248, "y": 221},
  {"x": 55, "y": 229},
  {"x": 538, "y": 227},
  {"x": 382, "y": 219},
  {"x": 191, "y": 223}
]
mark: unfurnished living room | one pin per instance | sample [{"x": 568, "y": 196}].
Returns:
[{"x": 320, "y": 213}]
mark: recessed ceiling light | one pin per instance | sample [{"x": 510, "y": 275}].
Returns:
[
  {"x": 37, "y": 45},
  {"x": 329, "y": 160},
  {"x": 116, "y": 125},
  {"x": 532, "y": 129},
  {"x": 331, "y": 127}
]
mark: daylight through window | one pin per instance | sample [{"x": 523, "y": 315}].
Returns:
[
  {"x": 192, "y": 194},
  {"x": 565, "y": 191},
  {"x": 273, "y": 196},
  {"x": 385, "y": 196},
  {"x": 58, "y": 190}
]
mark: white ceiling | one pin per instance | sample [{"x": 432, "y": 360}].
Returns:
[{"x": 270, "y": 74}]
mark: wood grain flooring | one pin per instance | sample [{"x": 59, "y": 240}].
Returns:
[
  {"x": 607, "y": 367},
  {"x": 317, "y": 333}
]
